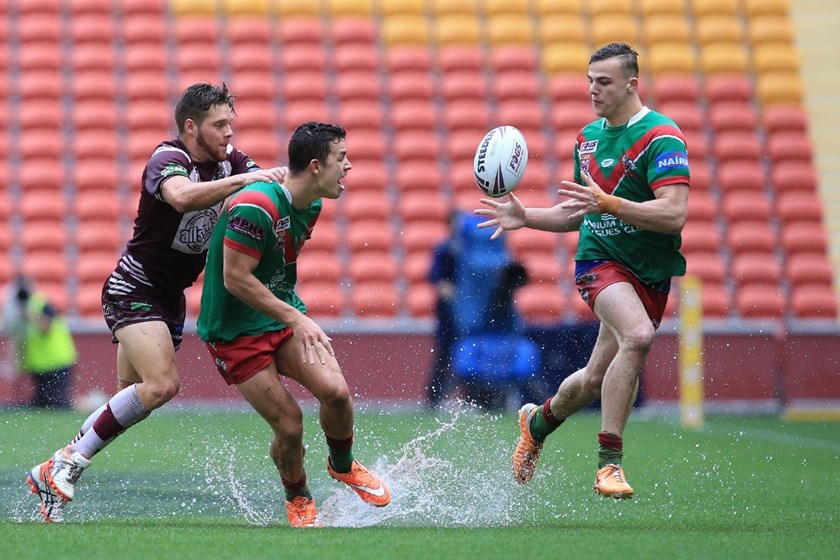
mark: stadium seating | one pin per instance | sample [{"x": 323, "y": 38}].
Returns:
[{"x": 417, "y": 83}]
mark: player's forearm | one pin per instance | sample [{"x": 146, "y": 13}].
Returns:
[
  {"x": 660, "y": 215},
  {"x": 252, "y": 292},
  {"x": 554, "y": 219},
  {"x": 198, "y": 196}
]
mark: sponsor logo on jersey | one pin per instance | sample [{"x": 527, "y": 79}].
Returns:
[
  {"x": 609, "y": 162},
  {"x": 195, "y": 230},
  {"x": 140, "y": 306},
  {"x": 242, "y": 226},
  {"x": 588, "y": 147},
  {"x": 584, "y": 162},
  {"x": 174, "y": 169},
  {"x": 672, "y": 160}
]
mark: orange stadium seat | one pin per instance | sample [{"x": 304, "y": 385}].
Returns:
[
  {"x": 671, "y": 58},
  {"x": 776, "y": 57},
  {"x": 343, "y": 8},
  {"x": 551, "y": 7},
  {"x": 780, "y": 88},
  {"x": 665, "y": 28},
  {"x": 440, "y": 8},
  {"x": 506, "y": 7},
  {"x": 814, "y": 302},
  {"x": 750, "y": 237},
  {"x": 509, "y": 29},
  {"x": 240, "y": 8},
  {"x": 374, "y": 299},
  {"x": 719, "y": 29},
  {"x": 562, "y": 28},
  {"x": 404, "y": 30},
  {"x": 457, "y": 29},
  {"x": 701, "y": 8},
  {"x": 411, "y": 86},
  {"x": 615, "y": 26},
  {"x": 716, "y": 301},
  {"x": 757, "y": 8},
  {"x": 760, "y": 302},
  {"x": 770, "y": 29},
  {"x": 565, "y": 58},
  {"x": 353, "y": 31}
]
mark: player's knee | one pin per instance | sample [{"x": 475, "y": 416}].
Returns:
[
  {"x": 592, "y": 385},
  {"x": 336, "y": 396},
  {"x": 640, "y": 338},
  {"x": 163, "y": 391}
]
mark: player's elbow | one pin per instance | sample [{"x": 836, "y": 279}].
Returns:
[{"x": 232, "y": 281}]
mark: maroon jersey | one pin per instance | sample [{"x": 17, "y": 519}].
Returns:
[{"x": 168, "y": 249}]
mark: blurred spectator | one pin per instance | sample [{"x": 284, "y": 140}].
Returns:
[
  {"x": 442, "y": 277},
  {"x": 41, "y": 343}
]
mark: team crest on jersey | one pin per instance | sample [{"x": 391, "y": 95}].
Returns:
[
  {"x": 630, "y": 168},
  {"x": 280, "y": 229}
]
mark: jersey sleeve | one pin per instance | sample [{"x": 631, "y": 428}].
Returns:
[
  {"x": 667, "y": 161},
  {"x": 164, "y": 163},
  {"x": 240, "y": 162},
  {"x": 251, "y": 216}
]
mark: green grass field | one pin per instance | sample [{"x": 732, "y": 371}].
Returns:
[{"x": 198, "y": 484}]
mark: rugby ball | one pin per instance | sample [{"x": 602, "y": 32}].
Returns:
[{"x": 500, "y": 161}]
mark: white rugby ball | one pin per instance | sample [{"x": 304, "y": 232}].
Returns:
[{"x": 500, "y": 161}]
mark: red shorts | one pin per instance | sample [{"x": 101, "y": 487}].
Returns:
[
  {"x": 241, "y": 359},
  {"x": 596, "y": 279}
]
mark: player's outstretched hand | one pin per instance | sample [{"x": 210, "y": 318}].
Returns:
[
  {"x": 272, "y": 175},
  {"x": 313, "y": 340},
  {"x": 588, "y": 198},
  {"x": 503, "y": 215}
]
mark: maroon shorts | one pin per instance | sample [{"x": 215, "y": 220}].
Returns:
[
  {"x": 593, "y": 280},
  {"x": 241, "y": 359},
  {"x": 125, "y": 301}
]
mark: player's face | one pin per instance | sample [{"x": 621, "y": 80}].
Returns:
[
  {"x": 214, "y": 133},
  {"x": 334, "y": 170},
  {"x": 608, "y": 88}
]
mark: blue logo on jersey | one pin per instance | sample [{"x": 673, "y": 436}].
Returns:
[{"x": 672, "y": 160}]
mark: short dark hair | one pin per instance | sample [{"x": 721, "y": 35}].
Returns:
[
  {"x": 197, "y": 100},
  {"x": 628, "y": 56},
  {"x": 312, "y": 141}
]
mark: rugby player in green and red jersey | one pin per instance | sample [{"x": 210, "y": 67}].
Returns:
[
  {"x": 629, "y": 202},
  {"x": 256, "y": 327}
]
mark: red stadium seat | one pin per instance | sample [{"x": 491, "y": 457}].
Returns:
[
  {"x": 196, "y": 29},
  {"x": 147, "y": 57},
  {"x": 369, "y": 235},
  {"x": 737, "y": 146},
  {"x": 97, "y": 205},
  {"x": 40, "y": 205},
  {"x": 729, "y": 87},
  {"x": 750, "y": 237},
  {"x": 408, "y": 58},
  {"x": 701, "y": 237},
  {"x": 540, "y": 304},
  {"x": 687, "y": 115},
  {"x": 799, "y": 207},
  {"x": 804, "y": 238},
  {"x": 356, "y": 57},
  {"x": 702, "y": 206},
  {"x": 374, "y": 299},
  {"x": 365, "y": 146},
  {"x": 93, "y": 268},
  {"x": 321, "y": 299},
  {"x": 43, "y": 175},
  {"x": 467, "y": 116},
  {"x": 322, "y": 267},
  {"x": 742, "y": 176},
  {"x": 372, "y": 266},
  {"x": 416, "y": 266},
  {"x": 785, "y": 118},
  {"x": 676, "y": 88},
  {"x": 353, "y": 31},
  {"x": 708, "y": 266},
  {"x": 99, "y": 236},
  {"x": 249, "y": 58},
  {"x": 513, "y": 58},
  {"x": 793, "y": 175},
  {"x": 420, "y": 301},
  {"x": 366, "y": 178},
  {"x": 420, "y": 236},
  {"x": 760, "y": 302},
  {"x": 366, "y": 205},
  {"x": 459, "y": 58},
  {"x": 359, "y": 84},
  {"x": 756, "y": 268},
  {"x": 46, "y": 266},
  {"x": 727, "y": 116},
  {"x": 516, "y": 85},
  {"x": 789, "y": 146},
  {"x": 411, "y": 86},
  {"x": 141, "y": 29},
  {"x": 303, "y": 85},
  {"x": 417, "y": 146},
  {"x": 746, "y": 206},
  {"x": 303, "y": 57},
  {"x": 413, "y": 116},
  {"x": 419, "y": 177},
  {"x": 325, "y": 237},
  {"x": 420, "y": 206},
  {"x": 43, "y": 236},
  {"x": 814, "y": 302},
  {"x": 250, "y": 31},
  {"x": 809, "y": 268},
  {"x": 568, "y": 87},
  {"x": 526, "y": 242},
  {"x": 466, "y": 85},
  {"x": 300, "y": 32}
]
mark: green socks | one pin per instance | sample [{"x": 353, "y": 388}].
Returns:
[
  {"x": 610, "y": 449},
  {"x": 544, "y": 422},
  {"x": 341, "y": 454}
]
